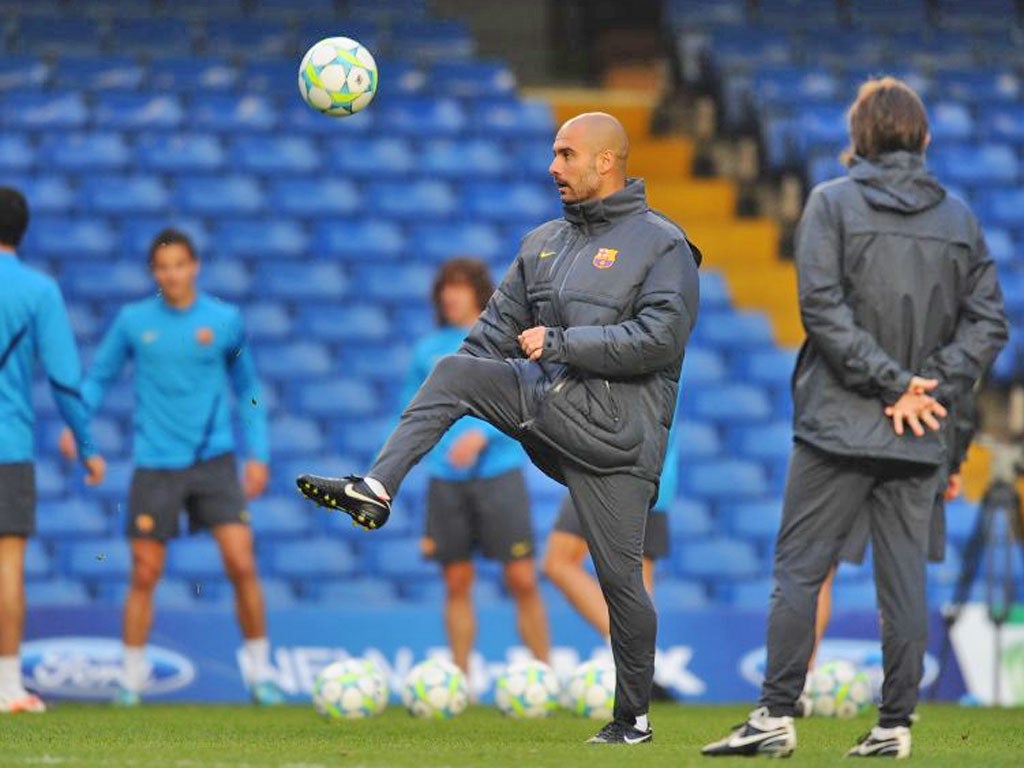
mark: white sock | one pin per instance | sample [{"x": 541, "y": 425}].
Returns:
[
  {"x": 257, "y": 652},
  {"x": 10, "y": 677},
  {"x": 377, "y": 487},
  {"x": 641, "y": 723},
  {"x": 136, "y": 668}
]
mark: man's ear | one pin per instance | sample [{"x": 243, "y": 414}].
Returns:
[{"x": 605, "y": 161}]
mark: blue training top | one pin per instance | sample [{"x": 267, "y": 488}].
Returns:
[
  {"x": 34, "y": 322},
  {"x": 184, "y": 360},
  {"x": 501, "y": 454}
]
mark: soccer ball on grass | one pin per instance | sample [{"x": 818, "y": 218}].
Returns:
[
  {"x": 436, "y": 689},
  {"x": 350, "y": 689},
  {"x": 526, "y": 690},
  {"x": 838, "y": 689}
]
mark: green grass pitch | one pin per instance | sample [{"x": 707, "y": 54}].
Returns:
[{"x": 174, "y": 736}]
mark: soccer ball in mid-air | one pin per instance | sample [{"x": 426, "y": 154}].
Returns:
[
  {"x": 838, "y": 689},
  {"x": 435, "y": 688},
  {"x": 338, "y": 77},
  {"x": 350, "y": 689},
  {"x": 590, "y": 691},
  {"x": 527, "y": 689}
]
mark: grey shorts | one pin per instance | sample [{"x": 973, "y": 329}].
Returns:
[
  {"x": 208, "y": 491},
  {"x": 655, "y": 533},
  {"x": 490, "y": 515},
  {"x": 18, "y": 499}
]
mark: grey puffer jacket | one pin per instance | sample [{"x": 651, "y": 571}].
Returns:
[
  {"x": 895, "y": 280},
  {"x": 616, "y": 286}
]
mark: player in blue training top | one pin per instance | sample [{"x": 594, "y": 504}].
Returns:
[
  {"x": 477, "y": 494},
  {"x": 189, "y": 353},
  {"x": 33, "y": 323}
]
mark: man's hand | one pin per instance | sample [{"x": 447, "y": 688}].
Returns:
[
  {"x": 921, "y": 386},
  {"x": 466, "y": 450},
  {"x": 914, "y": 410},
  {"x": 95, "y": 470},
  {"x": 254, "y": 478},
  {"x": 531, "y": 341},
  {"x": 66, "y": 445},
  {"x": 954, "y": 486}
]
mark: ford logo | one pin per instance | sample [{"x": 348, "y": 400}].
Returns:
[{"x": 90, "y": 667}]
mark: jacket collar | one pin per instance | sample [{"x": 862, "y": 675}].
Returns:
[{"x": 603, "y": 213}]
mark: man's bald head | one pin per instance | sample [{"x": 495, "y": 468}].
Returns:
[{"x": 591, "y": 151}]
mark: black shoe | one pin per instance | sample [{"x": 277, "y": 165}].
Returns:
[
  {"x": 349, "y": 495},
  {"x": 883, "y": 742},
  {"x": 760, "y": 735},
  {"x": 621, "y": 733},
  {"x": 661, "y": 693}
]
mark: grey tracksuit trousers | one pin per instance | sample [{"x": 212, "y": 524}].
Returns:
[
  {"x": 824, "y": 495},
  {"x": 612, "y": 508}
]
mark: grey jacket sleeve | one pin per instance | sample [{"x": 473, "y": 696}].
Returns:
[
  {"x": 852, "y": 353},
  {"x": 506, "y": 315},
  {"x": 981, "y": 329},
  {"x": 655, "y": 337}
]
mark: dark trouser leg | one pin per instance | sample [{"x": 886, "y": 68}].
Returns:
[
  {"x": 824, "y": 494},
  {"x": 459, "y": 385},
  {"x": 613, "y": 512},
  {"x": 901, "y": 511}
]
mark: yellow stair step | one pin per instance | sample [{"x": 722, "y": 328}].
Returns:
[
  {"x": 632, "y": 108},
  {"x": 739, "y": 241},
  {"x": 662, "y": 158},
  {"x": 692, "y": 199}
]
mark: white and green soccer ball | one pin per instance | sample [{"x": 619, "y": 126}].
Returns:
[
  {"x": 590, "y": 691},
  {"x": 350, "y": 689},
  {"x": 435, "y": 689},
  {"x": 338, "y": 77},
  {"x": 527, "y": 689},
  {"x": 838, "y": 689}
]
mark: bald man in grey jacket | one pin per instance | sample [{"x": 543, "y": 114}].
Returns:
[{"x": 577, "y": 355}]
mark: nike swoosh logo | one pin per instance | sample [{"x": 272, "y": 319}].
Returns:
[
  {"x": 742, "y": 741},
  {"x": 628, "y": 740},
  {"x": 546, "y": 254},
  {"x": 354, "y": 495}
]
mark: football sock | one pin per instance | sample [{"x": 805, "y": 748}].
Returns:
[
  {"x": 377, "y": 487},
  {"x": 257, "y": 651},
  {"x": 10, "y": 677},
  {"x": 641, "y": 723},
  {"x": 136, "y": 669}
]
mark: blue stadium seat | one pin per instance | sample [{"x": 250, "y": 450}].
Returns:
[
  {"x": 320, "y": 26},
  {"x": 472, "y": 78},
  {"x": 59, "y": 34},
  {"x": 163, "y": 35},
  {"x": 137, "y": 111},
  {"x": 684, "y": 14},
  {"x": 277, "y": 593},
  {"x": 97, "y": 73},
  {"x": 38, "y": 564},
  {"x": 99, "y": 559},
  {"x": 232, "y": 113},
  {"x": 74, "y": 238},
  {"x": 179, "y": 153},
  {"x": 412, "y": 201},
  {"x": 171, "y": 594},
  {"x": 680, "y": 595},
  {"x": 353, "y": 592},
  {"x": 440, "y": 242},
  {"x": 272, "y": 239},
  {"x": 336, "y": 398},
  {"x": 734, "y": 331},
  {"x": 43, "y": 110},
  {"x": 961, "y": 517},
  {"x": 689, "y": 519},
  {"x": 1003, "y": 122},
  {"x": 267, "y": 320},
  {"x": 950, "y": 121},
  {"x": 431, "y": 591},
  {"x": 755, "y": 520},
  {"x": 331, "y": 321},
  {"x": 381, "y": 365},
  {"x": 515, "y": 119},
  {"x": 84, "y": 320},
  {"x": 56, "y": 593},
  {"x": 723, "y": 479},
  {"x": 123, "y": 195},
  {"x": 505, "y": 202},
  {"x": 292, "y": 360},
  {"x": 766, "y": 442},
  {"x": 315, "y": 559},
  {"x": 313, "y": 197},
  {"x": 194, "y": 558},
  {"x": 359, "y": 240},
  {"x": 714, "y": 291},
  {"x": 784, "y": 85},
  {"x": 822, "y": 124},
  {"x": 697, "y": 439},
  {"x": 837, "y": 47},
  {"x": 1001, "y": 207},
  {"x": 729, "y": 404},
  {"x": 975, "y": 164},
  {"x": 477, "y": 158},
  {"x": 374, "y": 158},
  {"x": 749, "y": 594},
  {"x": 100, "y": 150},
  {"x": 384, "y": 283},
  {"x": 387, "y": 9},
  {"x": 226, "y": 279},
  {"x": 51, "y": 479},
  {"x": 769, "y": 367},
  {"x": 532, "y": 159},
  {"x": 249, "y": 37},
  {"x": 1001, "y": 247},
  {"x": 745, "y": 48},
  {"x": 702, "y": 366},
  {"x": 275, "y": 155},
  {"x": 402, "y": 559},
  {"x": 22, "y": 72},
  {"x": 716, "y": 558},
  {"x": 824, "y": 168},
  {"x": 858, "y": 595},
  {"x": 417, "y": 116},
  {"x": 302, "y": 281},
  {"x": 45, "y": 195},
  {"x": 432, "y": 38},
  {"x": 71, "y": 519},
  {"x": 279, "y": 517},
  {"x": 287, "y": 8},
  {"x": 224, "y": 195},
  {"x": 978, "y": 14},
  {"x": 976, "y": 86},
  {"x": 189, "y": 74}
]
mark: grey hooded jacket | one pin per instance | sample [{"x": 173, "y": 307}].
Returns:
[
  {"x": 616, "y": 286},
  {"x": 895, "y": 280}
]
